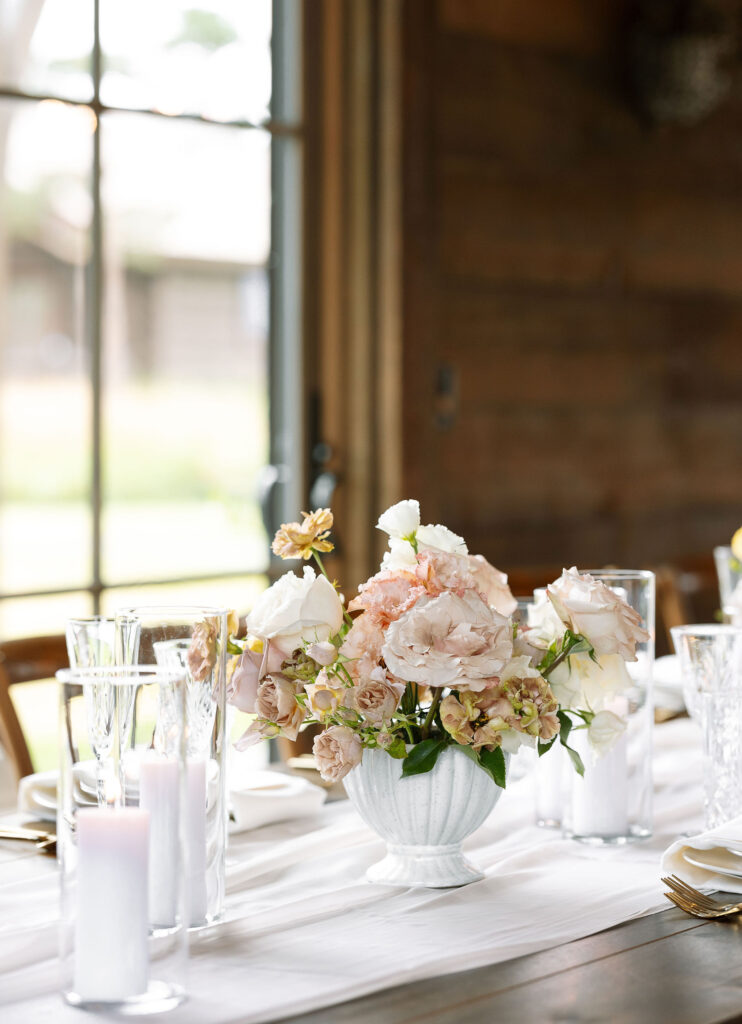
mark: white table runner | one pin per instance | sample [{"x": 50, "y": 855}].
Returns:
[{"x": 303, "y": 930}]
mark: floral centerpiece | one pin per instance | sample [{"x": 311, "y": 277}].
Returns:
[{"x": 427, "y": 655}]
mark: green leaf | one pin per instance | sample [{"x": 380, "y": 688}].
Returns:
[
  {"x": 566, "y": 723},
  {"x": 565, "y": 726},
  {"x": 544, "y": 747},
  {"x": 493, "y": 762},
  {"x": 576, "y": 759},
  {"x": 422, "y": 757},
  {"x": 397, "y": 748},
  {"x": 471, "y": 754}
]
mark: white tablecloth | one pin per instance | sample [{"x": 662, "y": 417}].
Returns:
[{"x": 304, "y": 930}]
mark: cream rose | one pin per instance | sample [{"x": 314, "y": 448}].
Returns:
[
  {"x": 450, "y": 640},
  {"x": 337, "y": 750},
  {"x": 297, "y": 610},
  {"x": 594, "y": 610},
  {"x": 581, "y": 683},
  {"x": 604, "y": 731}
]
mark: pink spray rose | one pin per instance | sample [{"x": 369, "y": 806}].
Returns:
[{"x": 337, "y": 750}]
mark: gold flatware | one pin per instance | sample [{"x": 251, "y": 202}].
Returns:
[
  {"x": 45, "y": 842},
  {"x": 692, "y": 901}
]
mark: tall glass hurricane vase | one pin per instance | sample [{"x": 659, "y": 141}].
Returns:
[
  {"x": 612, "y": 802},
  {"x": 122, "y": 848},
  {"x": 192, "y": 641}
]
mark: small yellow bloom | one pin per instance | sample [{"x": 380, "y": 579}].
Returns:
[
  {"x": 254, "y": 644},
  {"x": 233, "y": 623},
  {"x": 737, "y": 545},
  {"x": 298, "y": 540}
]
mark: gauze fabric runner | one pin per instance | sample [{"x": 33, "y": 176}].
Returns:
[{"x": 303, "y": 929}]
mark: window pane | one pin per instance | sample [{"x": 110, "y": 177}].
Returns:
[
  {"x": 210, "y": 58},
  {"x": 44, "y": 391},
  {"x": 239, "y": 594},
  {"x": 41, "y": 616},
  {"x": 185, "y": 421},
  {"x": 45, "y": 47}
]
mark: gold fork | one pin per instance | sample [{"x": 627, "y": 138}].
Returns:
[{"x": 697, "y": 903}]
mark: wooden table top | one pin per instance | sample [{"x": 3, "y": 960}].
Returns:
[{"x": 667, "y": 968}]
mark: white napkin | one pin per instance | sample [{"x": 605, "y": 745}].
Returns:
[
  {"x": 710, "y": 860},
  {"x": 668, "y": 684},
  {"x": 266, "y": 797},
  {"x": 260, "y": 798}
]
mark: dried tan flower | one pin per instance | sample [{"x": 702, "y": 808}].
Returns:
[{"x": 299, "y": 540}]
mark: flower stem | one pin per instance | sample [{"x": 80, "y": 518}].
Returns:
[
  {"x": 318, "y": 560},
  {"x": 431, "y": 713}
]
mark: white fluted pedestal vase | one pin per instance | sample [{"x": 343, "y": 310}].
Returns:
[{"x": 424, "y": 818}]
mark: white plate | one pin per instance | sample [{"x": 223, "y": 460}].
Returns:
[{"x": 724, "y": 861}]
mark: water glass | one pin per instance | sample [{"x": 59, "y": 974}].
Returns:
[
  {"x": 729, "y": 573},
  {"x": 612, "y": 803},
  {"x": 711, "y": 666},
  {"x": 122, "y": 847},
  {"x": 191, "y": 642}
]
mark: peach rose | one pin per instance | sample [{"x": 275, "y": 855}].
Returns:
[
  {"x": 376, "y": 698},
  {"x": 279, "y": 713},
  {"x": 337, "y": 750},
  {"x": 492, "y": 584},
  {"x": 362, "y": 646},
  {"x": 449, "y": 641},
  {"x": 201, "y": 654}
]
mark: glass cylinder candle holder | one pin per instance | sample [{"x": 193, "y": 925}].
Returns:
[
  {"x": 711, "y": 670},
  {"x": 192, "y": 641},
  {"x": 612, "y": 802},
  {"x": 121, "y": 839}
]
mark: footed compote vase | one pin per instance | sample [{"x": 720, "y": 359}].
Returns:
[{"x": 423, "y": 818}]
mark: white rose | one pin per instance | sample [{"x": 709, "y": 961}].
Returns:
[
  {"x": 297, "y": 610},
  {"x": 580, "y": 683},
  {"x": 604, "y": 731},
  {"x": 597, "y": 612},
  {"x": 543, "y": 620},
  {"x": 440, "y": 538},
  {"x": 400, "y": 520}
]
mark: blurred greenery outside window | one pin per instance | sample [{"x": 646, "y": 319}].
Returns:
[{"x": 136, "y": 143}]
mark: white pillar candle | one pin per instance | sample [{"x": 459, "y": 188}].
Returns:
[
  {"x": 549, "y": 783},
  {"x": 159, "y": 793},
  {"x": 196, "y": 842},
  {"x": 111, "y": 928},
  {"x": 600, "y": 800}
]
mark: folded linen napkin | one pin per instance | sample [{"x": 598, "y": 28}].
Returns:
[
  {"x": 265, "y": 797},
  {"x": 260, "y": 798},
  {"x": 710, "y": 860}
]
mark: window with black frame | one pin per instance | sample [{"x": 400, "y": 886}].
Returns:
[{"x": 150, "y": 160}]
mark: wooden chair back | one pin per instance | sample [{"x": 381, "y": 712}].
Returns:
[{"x": 25, "y": 661}]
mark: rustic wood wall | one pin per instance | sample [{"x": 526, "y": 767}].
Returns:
[{"x": 572, "y": 293}]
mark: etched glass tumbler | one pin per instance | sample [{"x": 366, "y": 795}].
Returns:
[
  {"x": 711, "y": 666},
  {"x": 192, "y": 641}
]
